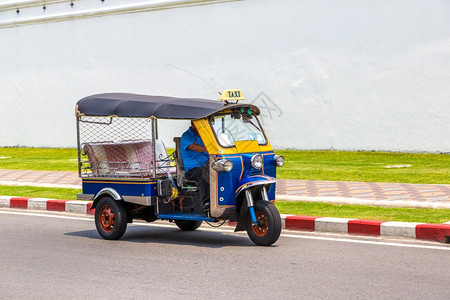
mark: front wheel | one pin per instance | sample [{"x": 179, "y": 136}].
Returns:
[
  {"x": 110, "y": 218},
  {"x": 268, "y": 228},
  {"x": 187, "y": 225}
]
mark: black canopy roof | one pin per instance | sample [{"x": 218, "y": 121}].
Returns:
[{"x": 143, "y": 106}]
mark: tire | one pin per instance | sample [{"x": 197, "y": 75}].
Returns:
[
  {"x": 188, "y": 225},
  {"x": 268, "y": 229},
  {"x": 110, "y": 218}
]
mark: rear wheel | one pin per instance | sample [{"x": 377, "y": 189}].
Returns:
[
  {"x": 268, "y": 228},
  {"x": 188, "y": 225},
  {"x": 110, "y": 218}
]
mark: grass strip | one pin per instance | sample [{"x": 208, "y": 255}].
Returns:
[
  {"x": 424, "y": 215},
  {"x": 365, "y": 166},
  {"x": 293, "y": 208},
  {"x": 44, "y": 159},
  {"x": 39, "y": 192}
]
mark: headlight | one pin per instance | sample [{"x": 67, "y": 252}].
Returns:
[
  {"x": 222, "y": 165},
  {"x": 257, "y": 161},
  {"x": 279, "y": 160}
]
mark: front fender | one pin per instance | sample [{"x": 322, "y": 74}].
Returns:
[{"x": 254, "y": 180}]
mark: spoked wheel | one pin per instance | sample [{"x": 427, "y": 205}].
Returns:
[
  {"x": 268, "y": 228},
  {"x": 188, "y": 225},
  {"x": 110, "y": 219}
]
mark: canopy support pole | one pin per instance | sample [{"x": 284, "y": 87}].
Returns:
[{"x": 154, "y": 135}]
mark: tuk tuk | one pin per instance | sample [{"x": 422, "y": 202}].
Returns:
[{"x": 127, "y": 172}]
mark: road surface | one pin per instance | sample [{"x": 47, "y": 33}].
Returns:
[{"x": 48, "y": 256}]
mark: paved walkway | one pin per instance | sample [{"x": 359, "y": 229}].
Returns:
[
  {"x": 342, "y": 192},
  {"x": 366, "y": 193},
  {"x": 40, "y": 178}
]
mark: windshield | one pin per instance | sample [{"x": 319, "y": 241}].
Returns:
[{"x": 237, "y": 127}]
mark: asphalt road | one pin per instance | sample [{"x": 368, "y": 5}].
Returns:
[{"x": 50, "y": 256}]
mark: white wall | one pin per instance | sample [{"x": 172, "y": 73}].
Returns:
[{"x": 350, "y": 75}]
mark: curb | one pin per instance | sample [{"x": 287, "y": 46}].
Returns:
[
  {"x": 70, "y": 206},
  {"x": 419, "y": 231}
]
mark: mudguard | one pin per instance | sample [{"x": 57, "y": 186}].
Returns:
[
  {"x": 106, "y": 191},
  {"x": 253, "y": 180}
]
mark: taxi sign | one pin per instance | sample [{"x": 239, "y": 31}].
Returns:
[{"x": 230, "y": 95}]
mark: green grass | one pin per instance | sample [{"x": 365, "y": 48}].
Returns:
[
  {"x": 39, "y": 192},
  {"x": 365, "y": 166},
  {"x": 364, "y": 212},
  {"x": 47, "y": 159},
  {"x": 304, "y": 165}
]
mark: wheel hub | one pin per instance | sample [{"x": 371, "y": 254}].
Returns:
[
  {"x": 107, "y": 218},
  {"x": 262, "y": 225}
]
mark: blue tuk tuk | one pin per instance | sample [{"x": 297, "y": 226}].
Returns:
[{"x": 127, "y": 172}]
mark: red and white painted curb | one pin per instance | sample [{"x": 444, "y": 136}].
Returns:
[
  {"x": 78, "y": 207},
  {"x": 420, "y": 231}
]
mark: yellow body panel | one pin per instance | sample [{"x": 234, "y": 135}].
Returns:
[{"x": 247, "y": 146}]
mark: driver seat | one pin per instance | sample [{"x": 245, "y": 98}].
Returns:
[{"x": 182, "y": 182}]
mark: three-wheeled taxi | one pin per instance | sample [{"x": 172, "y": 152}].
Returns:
[{"x": 126, "y": 171}]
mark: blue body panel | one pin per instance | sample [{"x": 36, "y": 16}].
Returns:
[
  {"x": 128, "y": 187},
  {"x": 229, "y": 182}
]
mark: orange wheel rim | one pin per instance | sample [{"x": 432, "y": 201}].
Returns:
[
  {"x": 107, "y": 218},
  {"x": 263, "y": 224}
]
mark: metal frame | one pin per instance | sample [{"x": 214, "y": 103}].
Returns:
[
  {"x": 106, "y": 142},
  {"x": 78, "y": 147},
  {"x": 154, "y": 134}
]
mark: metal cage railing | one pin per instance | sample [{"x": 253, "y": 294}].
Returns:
[{"x": 121, "y": 147}]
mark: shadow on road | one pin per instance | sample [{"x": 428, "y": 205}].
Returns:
[{"x": 175, "y": 236}]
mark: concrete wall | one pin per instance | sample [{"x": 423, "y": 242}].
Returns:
[{"x": 350, "y": 75}]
